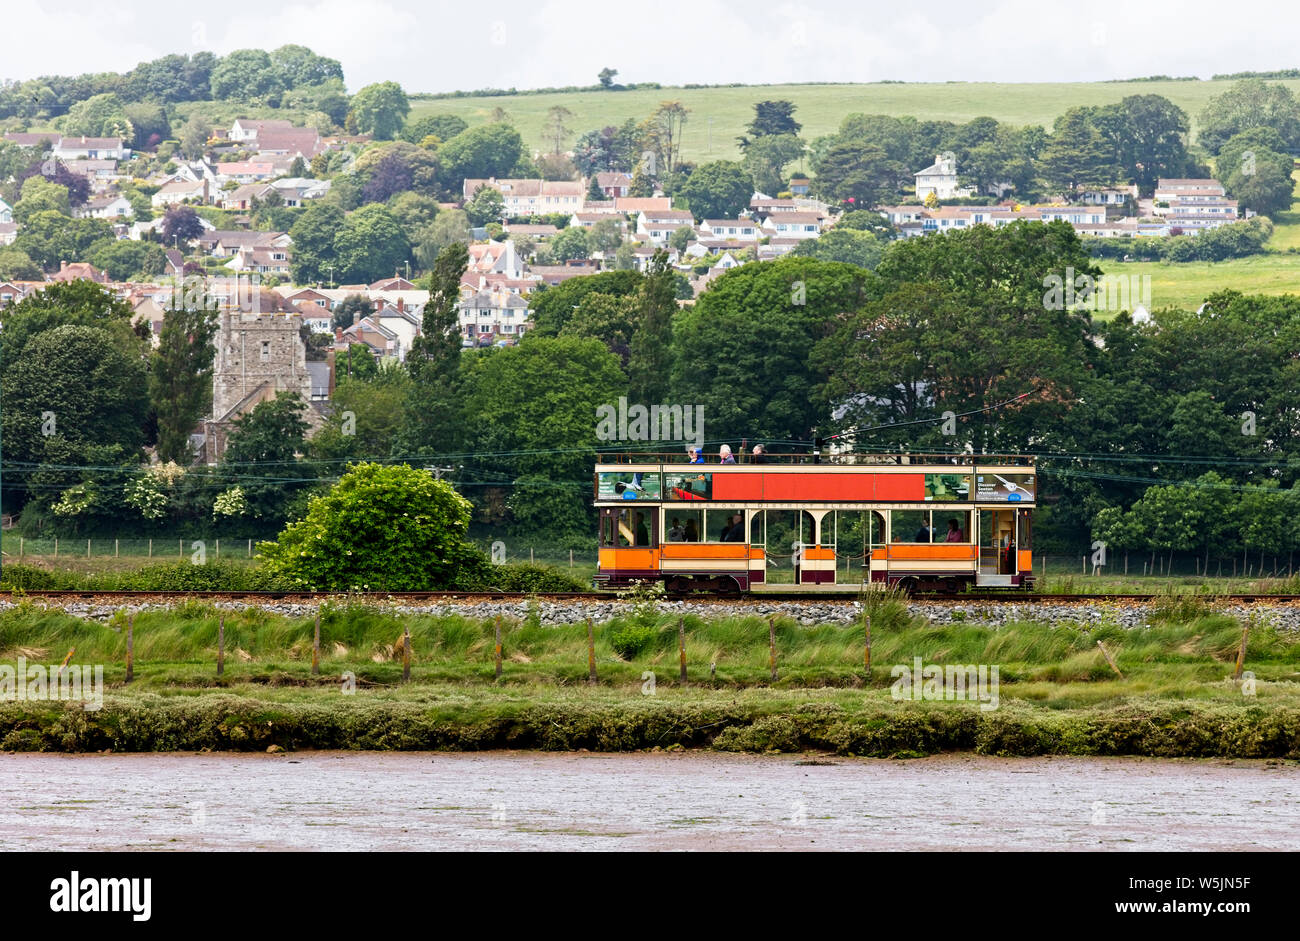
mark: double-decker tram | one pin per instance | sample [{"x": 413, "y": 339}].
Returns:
[{"x": 925, "y": 522}]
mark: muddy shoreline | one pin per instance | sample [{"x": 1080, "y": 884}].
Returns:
[{"x": 691, "y": 801}]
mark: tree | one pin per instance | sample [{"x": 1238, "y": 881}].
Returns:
[
  {"x": 434, "y": 360},
  {"x": 123, "y": 259},
  {"x": 763, "y": 390},
  {"x": 247, "y": 75},
  {"x": 650, "y": 363},
  {"x": 489, "y": 150},
  {"x": 353, "y": 308},
  {"x": 194, "y": 136},
  {"x": 298, "y": 66},
  {"x": 181, "y": 224},
  {"x": 180, "y": 380},
  {"x": 451, "y": 226},
  {"x": 381, "y": 109},
  {"x": 555, "y": 167},
  {"x": 1156, "y": 145},
  {"x": 261, "y": 458},
  {"x": 610, "y": 149},
  {"x": 681, "y": 238},
  {"x": 851, "y": 247},
  {"x": 766, "y": 159},
  {"x": 98, "y": 116},
  {"x": 370, "y": 245},
  {"x": 442, "y": 126},
  {"x": 486, "y": 205},
  {"x": 393, "y": 528},
  {"x": 67, "y": 303},
  {"x": 717, "y": 190},
  {"x": 553, "y": 307},
  {"x": 1077, "y": 156},
  {"x": 861, "y": 175},
  {"x": 1250, "y": 103},
  {"x": 606, "y": 77},
  {"x": 313, "y": 242},
  {"x": 390, "y": 176},
  {"x": 556, "y": 129},
  {"x": 40, "y": 195},
  {"x": 661, "y": 133},
  {"x": 571, "y": 242},
  {"x": 610, "y": 318},
  {"x": 771, "y": 118},
  {"x": 1256, "y": 170},
  {"x": 74, "y": 398},
  {"x": 605, "y": 236},
  {"x": 49, "y": 238},
  {"x": 149, "y": 122},
  {"x": 537, "y": 432},
  {"x": 15, "y": 265}
]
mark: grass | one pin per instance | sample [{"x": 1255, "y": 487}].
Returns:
[
  {"x": 1054, "y": 684},
  {"x": 1187, "y": 284}
]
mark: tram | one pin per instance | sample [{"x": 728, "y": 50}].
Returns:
[{"x": 816, "y": 523}]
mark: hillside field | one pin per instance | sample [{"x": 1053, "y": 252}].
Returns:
[{"x": 719, "y": 115}]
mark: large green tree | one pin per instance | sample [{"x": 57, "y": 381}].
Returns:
[
  {"x": 718, "y": 190},
  {"x": 432, "y": 414},
  {"x": 180, "y": 380},
  {"x": 381, "y": 109}
]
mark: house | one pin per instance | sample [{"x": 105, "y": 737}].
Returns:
[
  {"x": 531, "y": 197},
  {"x": 8, "y": 233},
  {"x": 245, "y": 130},
  {"x": 312, "y": 296},
  {"x": 273, "y": 260},
  {"x": 91, "y": 148},
  {"x": 179, "y": 191},
  {"x": 100, "y": 173},
  {"x": 495, "y": 258},
  {"x": 744, "y": 230},
  {"x": 223, "y": 243},
  {"x": 148, "y": 310},
  {"x": 551, "y": 275},
  {"x": 6, "y": 212},
  {"x": 940, "y": 178},
  {"x": 488, "y": 317},
  {"x": 78, "y": 270},
  {"x": 175, "y": 263},
  {"x": 315, "y": 316},
  {"x": 800, "y": 225},
  {"x": 107, "y": 207},
  {"x": 658, "y": 224},
  {"x": 614, "y": 184},
  {"x": 763, "y": 206},
  {"x": 401, "y": 321},
  {"x": 35, "y": 139},
  {"x": 241, "y": 197},
  {"x": 775, "y": 248},
  {"x": 10, "y": 293},
  {"x": 304, "y": 142},
  {"x": 587, "y": 219},
  {"x": 531, "y": 231},
  {"x": 297, "y": 191},
  {"x": 800, "y": 185},
  {"x": 635, "y": 204},
  {"x": 246, "y": 171},
  {"x": 383, "y": 343},
  {"x": 392, "y": 284},
  {"x": 1193, "y": 204},
  {"x": 1109, "y": 196}
]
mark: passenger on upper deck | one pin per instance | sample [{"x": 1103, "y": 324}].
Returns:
[
  {"x": 695, "y": 455},
  {"x": 725, "y": 456}
]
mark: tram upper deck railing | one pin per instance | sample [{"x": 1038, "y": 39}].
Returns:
[{"x": 836, "y": 460}]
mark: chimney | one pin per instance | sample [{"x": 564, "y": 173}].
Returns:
[
  {"x": 401, "y": 305},
  {"x": 379, "y": 304},
  {"x": 63, "y": 265}
]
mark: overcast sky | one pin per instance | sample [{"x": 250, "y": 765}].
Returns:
[{"x": 444, "y": 46}]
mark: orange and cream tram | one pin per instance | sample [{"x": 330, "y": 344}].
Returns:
[{"x": 925, "y": 522}]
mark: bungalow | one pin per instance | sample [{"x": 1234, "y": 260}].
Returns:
[
  {"x": 634, "y": 204},
  {"x": 222, "y": 243},
  {"x": 297, "y": 191},
  {"x": 531, "y": 231},
  {"x": 304, "y": 142},
  {"x": 77, "y": 271},
  {"x": 91, "y": 148},
  {"x": 1109, "y": 196},
  {"x": 106, "y": 207},
  {"x": 34, "y": 139},
  {"x": 587, "y": 219},
  {"x": 552, "y": 275},
  {"x": 246, "y": 171},
  {"x": 800, "y": 185},
  {"x": 744, "y": 230},
  {"x": 248, "y": 129},
  {"x": 100, "y": 173},
  {"x": 179, "y": 191},
  {"x": 241, "y": 197},
  {"x": 800, "y": 225}
]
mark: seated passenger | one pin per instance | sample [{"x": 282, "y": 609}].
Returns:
[
  {"x": 922, "y": 534},
  {"x": 954, "y": 532},
  {"x": 691, "y": 533},
  {"x": 676, "y": 533},
  {"x": 736, "y": 533},
  {"x": 642, "y": 531},
  {"x": 725, "y": 456}
]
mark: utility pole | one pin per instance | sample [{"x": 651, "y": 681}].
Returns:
[{"x": 330, "y": 269}]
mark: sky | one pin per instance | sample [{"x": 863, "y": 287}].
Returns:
[{"x": 443, "y": 46}]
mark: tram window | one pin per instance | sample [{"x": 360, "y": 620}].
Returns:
[
  {"x": 1024, "y": 530},
  {"x": 911, "y": 526},
  {"x": 608, "y": 528},
  {"x": 682, "y": 525},
  {"x": 634, "y": 528},
  {"x": 946, "y": 531},
  {"x": 719, "y": 526},
  {"x": 862, "y": 528}
]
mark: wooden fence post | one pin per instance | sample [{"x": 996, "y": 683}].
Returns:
[
  {"x": 681, "y": 649},
  {"x": 591, "y": 654},
  {"x": 1109, "y": 659},
  {"x": 151, "y": 548},
  {"x": 315, "y": 647},
  {"x": 771, "y": 646},
  {"x": 115, "y": 548},
  {"x": 497, "y": 650},
  {"x": 406, "y": 653},
  {"x": 221, "y": 645},
  {"x": 130, "y": 647},
  {"x": 87, "y": 548},
  {"x": 1241, "y": 653},
  {"x": 56, "y": 547}
]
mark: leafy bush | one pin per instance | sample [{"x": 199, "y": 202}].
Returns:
[
  {"x": 29, "y": 578},
  {"x": 212, "y": 576},
  {"x": 628, "y": 642}
]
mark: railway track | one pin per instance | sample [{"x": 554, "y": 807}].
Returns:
[{"x": 434, "y": 597}]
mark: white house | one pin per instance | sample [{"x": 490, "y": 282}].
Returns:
[
  {"x": 489, "y": 317},
  {"x": 532, "y": 197},
  {"x": 940, "y": 178},
  {"x": 744, "y": 230},
  {"x": 107, "y": 207},
  {"x": 178, "y": 191},
  {"x": 6, "y": 212},
  {"x": 91, "y": 148},
  {"x": 798, "y": 225}
]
